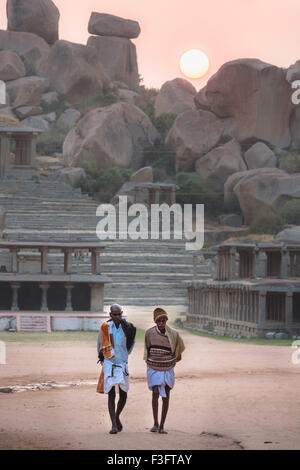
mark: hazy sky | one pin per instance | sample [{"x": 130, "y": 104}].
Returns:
[{"x": 223, "y": 29}]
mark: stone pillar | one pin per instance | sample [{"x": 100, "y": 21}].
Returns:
[
  {"x": 69, "y": 288},
  {"x": 44, "y": 287},
  {"x": 262, "y": 310},
  {"x": 68, "y": 260},
  {"x": 171, "y": 196},
  {"x": 195, "y": 265},
  {"x": 96, "y": 267},
  {"x": 15, "y": 252},
  {"x": 97, "y": 297},
  {"x": 232, "y": 263},
  {"x": 4, "y": 153},
  {"x": 285, "y": 264},
  {"x": 289, "y": 310},
  {"x": 262, "y": 264},
  {"x": 15, "y": 287},
  {"x": 32, "y": 150},
  {"x": 256, "y": 263},
  {"x": 44, "y": 260},
  {"x": 154, "y": 194}
]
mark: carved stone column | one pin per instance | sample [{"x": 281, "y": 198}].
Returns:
[
  {"x": 44, "y": 287},
  {"x": 285, "y": 263},
  {"x": 289, "y": 310},
  {"x": 232, "y": 263},
  {"x": 68, "y": 260},
  {"x": 69, "y": 288},
  {"x": 171, "y": 196},
  {"x": 15, "y": 287},
  {"x": 15, "y": 252},
  {"x": 44, "y": 260},
  {"x": 96, "y": 267},
  {"x": 262, "y": 310},
  {"x": 154, "y": 196},
  {"x": 262, "y": 264}
]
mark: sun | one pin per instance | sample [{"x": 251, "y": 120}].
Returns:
[{"x": 194, "y": 63}]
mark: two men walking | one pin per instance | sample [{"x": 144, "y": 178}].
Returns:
[{"x": 163, "y": 348}]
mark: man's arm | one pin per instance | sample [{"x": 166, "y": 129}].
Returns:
[{"x": 100, "y": 355}]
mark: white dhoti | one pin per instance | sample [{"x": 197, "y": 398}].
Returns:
[
  {"x": 160, "y": 378},
  {"x": 115, "y": 374}
]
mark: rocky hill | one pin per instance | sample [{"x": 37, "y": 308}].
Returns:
[{"x": 239, "y": 135}]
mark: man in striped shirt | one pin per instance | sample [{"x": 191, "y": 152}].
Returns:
[{"x": 163, "y": 349}]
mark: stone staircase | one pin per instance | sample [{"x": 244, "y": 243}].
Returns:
[{"x": 143, "y": 272}]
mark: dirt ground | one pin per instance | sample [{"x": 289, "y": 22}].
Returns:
[{"x": 226, "y": 396}]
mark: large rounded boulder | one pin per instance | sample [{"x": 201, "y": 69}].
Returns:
[
  {"x": 266, "y": 188},
  {"x": 111, "y": 136},
  {"x": 73, "y": 70},
  {"x": 221, "y": 162},
  {"x": 193, "y": 134},
  {"x": 31, "y": 47},
  {"x": 257, "y": 95},
  {"x": 175, "y": 96},
  {"x": 40, "y": 17},
  {"x": 117, "y": 57}
]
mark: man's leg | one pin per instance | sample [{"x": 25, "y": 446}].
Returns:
[
  {"x": 121, "y": 404},
  {"x": 111, "y": 409},
  {"x": 155, "y": 396},
  {"x": 164, "y": 412}
]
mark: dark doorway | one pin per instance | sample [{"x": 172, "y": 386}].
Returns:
[
  {"x": 30, "y": 297},
  {"x": 57, "y": 297},
  {"x": 296, "y": 307},
  {"x": 81, "y": 298},
  {"x": 246, "y": 264},
  {"x": 275, "y": 306},
  {"x": 5, "y": 296}
]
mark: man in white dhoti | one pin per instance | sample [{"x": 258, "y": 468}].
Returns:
[
  {"x": 163, "y": 349},
  {"x": 115, "y": 342}
]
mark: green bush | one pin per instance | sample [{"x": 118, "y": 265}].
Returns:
[
  {"x": 289, "y": 163},
  {"x": 98, "y": 100},
  {"x": 290, "y": 212},
  {"x": 159, "y": 157},
  {"x": 50, "y": 142},
  {"x": 162, "y": 123},
  {"x": 267, "y": 222},
  {"x": 103, "y": 184},
  {"x": 57, "y": 107},
  {"x": 194, "y": 190}
]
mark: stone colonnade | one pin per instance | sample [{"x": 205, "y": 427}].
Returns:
[
  {"x": 154, "y": 191},
  {"x": 68, "y": 257},
  {"x": 234, "y": 263},
  {"x": 96, "y": 304},
  {"x": 239, "y": 307},
  {"x": 25, "y": 148},
  {"x": 230, "y": 304}
]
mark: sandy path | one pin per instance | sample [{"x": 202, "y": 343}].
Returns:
[{"x": 245, "y": 393}]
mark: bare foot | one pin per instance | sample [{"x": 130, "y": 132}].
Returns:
[
  {"x": 162, "y": 431},
  {"x": 154, "y": 429},
  {"x": 114, "y": 430}
]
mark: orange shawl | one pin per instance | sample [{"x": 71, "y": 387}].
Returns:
[{"x": 106, "y": 347}]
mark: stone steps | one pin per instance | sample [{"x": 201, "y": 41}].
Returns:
[{"x": 143, "y": 272}]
